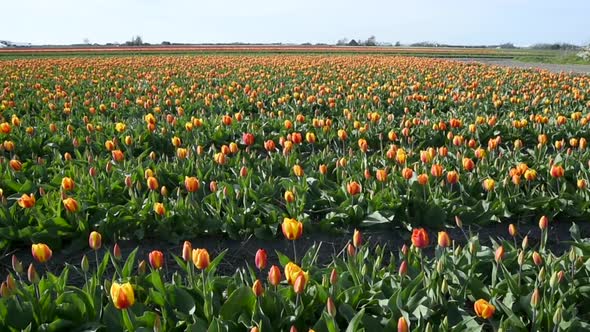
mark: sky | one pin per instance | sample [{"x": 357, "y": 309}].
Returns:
[{"x": 466, "y": 22}]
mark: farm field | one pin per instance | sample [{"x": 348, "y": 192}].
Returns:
[{"x": 170, "y": 147}]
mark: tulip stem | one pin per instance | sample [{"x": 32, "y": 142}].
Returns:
[
  {"x": 294, "y": 252},
  {"x": 96, "y": 258}
]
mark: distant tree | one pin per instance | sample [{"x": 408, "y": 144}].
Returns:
[
  {"x": 372, "y": 41},
  {"x": 86, "y": 41},
  {"x": 398, "y": 44},
  {"x": 353, "y": 43},
  {"x": 135, "y": 41},
  {"x": 166, "y": 43},
  {"x": 342, "y": 42}
]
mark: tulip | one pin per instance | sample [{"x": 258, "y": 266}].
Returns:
[
  {"x": 350, "y": 250},
  {"x": 32, "y": 274},
  {"x": 201, "y": 258},
  {"x": 156, "y": 259},
  {"x": 248, "y": 139},
  {"x": 159, "y": 209},
  {"x": 557, "y": 171},
  {"x": 122, "y": 295},
  {"x": 422, "y": 179},
  {"x": 289, "y": 196},
  {"x": 26, "y": 201},
  {"x": 381, "y": 175},
  {"x": 298, "y": 171},
  {"x": 484, "y": 309},
  {"x": 543, "y": 222},
  {"x": 407, "y": 173},
  {"x": 257, "y": 288},
  {"x": 512, "y": 230},
  {"x": 353, "y": 188},
  {"x": 300, "y": 282},
  {"x": 187, "y": 249},
  {"x": 41, "y": 252},
  {"x": 67, "y": 184},
  {"x": 420, "y": 238},
  {"x": 333, "y": 277},
  {"x": 403, "y": 269},
  {"x": 152, "y": 183},
  {"x": 331, "y": 307},
  {"x": 292, "y": 229},
  {"x": 357, "y": 238},
  {"x": 261, "y": 259},
  {"x": 274, "y": 275},
  {"x": 191, "y": 184},
  {"x": 292, "y": 271},
  {"x": 17, "y": 266},
  {"x": 537, "y": 259},
  {"x": 402, "y": 325},
  {"x": 535, "y": 298},
  {"x": 323, "y": 169},
  {"x": 70, "y": 204},
  {"x": 95, "y": 240},
  {"x": 118, "y": 155},
  {"x": 436, "y": 170},
  {"x": 499, "y": 254},
  {"x": 489, "y": 184},
  {"x": 443, "y": 239},
  {"x": 117, "y": 251},
  {"x": 452, "y": 177}
]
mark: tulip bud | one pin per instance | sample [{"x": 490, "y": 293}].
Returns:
[
  {"x": 553, "y": 280},
  {"x": 473, "y": 248},
  {"x": 156, "y": 259},
  {"x": 350, "y": 249},
  {"x": 293, "y": 329},
  {"x": 357, "y": 238},
  {"x": 333, "y": 277},
  {"x": 4, "y": 291},
  {"x": 261, "y": 259},
  {"x": 444, "y": 288},
  {"x": 254, "y": 329},
  {"x": 32, "y": 274},
  {"x": 117, "y": 251},
  {"x": 10, "y": 282},
  {"x": 257, "y": 288},
  {"x": 512, "y": 230},
  {"x": 535, "y": 298},
  {"x": 543, "y": 222},
  {"x": 525, "y": 242},
  {"x": 84, "y": 264},
  {"x": 541, "y": 276},
  {"x": 560, "y": 276},
  {"x": 572, "y": 255},
  {"x": 404, "y": 250},
  {"x": 299, "y": 285},
  {"x": 402, "y": 325},
  {"x": 537, "y": 258},
  {"x": 521, "y": 258},
  {"x": 499, "y": 255},
  {"x": 95, "y": 240},
  {"x": 440, "y": 267},
  {"x": 17, "y": 265},
  {"x": 428, "y": 327},
  {"x": 187, "y": 250},
  {"x": 557, "y": 316},
  {"x": 157, "y": 324},
  {"x": 458, "y": 251},
  {"x": 458, "y": 222},
  {"x": 403, "y": 269},
  {"x": 443, "y": 239},
  {"x": 331, "y": 307},
  {"x": 274, "y": 275}
]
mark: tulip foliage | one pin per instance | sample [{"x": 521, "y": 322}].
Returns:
[
  {"x": 165, "y": 146},
  {"x": 470, "y": 287}
]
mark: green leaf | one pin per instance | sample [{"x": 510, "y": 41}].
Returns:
[
  {"x": 353, "y": 325},
  {"x": 129, "y": 263},
  {"x": 242, "y": 300},
  {"x": 283, "y": 259}
]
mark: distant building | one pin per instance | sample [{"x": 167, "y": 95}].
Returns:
[{"x": 6, "y": 43}]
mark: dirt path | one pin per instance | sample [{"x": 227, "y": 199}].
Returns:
[{"x": 556, "y": 68}]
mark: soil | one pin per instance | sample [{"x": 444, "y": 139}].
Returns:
[
  {"x": 241, "y": 252},
  {"x": 555, "y": 68}
]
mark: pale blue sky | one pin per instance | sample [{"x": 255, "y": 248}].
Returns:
[{"x": 522, "y": 22}]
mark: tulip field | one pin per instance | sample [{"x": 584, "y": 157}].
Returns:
[{"x": 176, "y": 147}]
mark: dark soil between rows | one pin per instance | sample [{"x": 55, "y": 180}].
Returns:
[{"x": 241, "y": 252}]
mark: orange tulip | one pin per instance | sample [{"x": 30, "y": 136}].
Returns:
[
  {"x": 353, "y": 188},
  {"x": 298, "y": 170},
  {"x": 159, "y": 209},
  {"x": 420, "y": 238},
  {"x": 443, "y": 239},
  {"x": 402, "y": 325},
  {"x": 201, "y": 258},
  {"x": 257, "y": 288},
  {"x": 274, "y": 275},
  {"x": 484, "y": 309},
  {"x": 452, "y": 177},
  {"x": 292, "y": 229},
  {"x": 499, "y": 254},
  {"x": 323, "y": 169},
  {"x": 407, "y": 173},
  {"x": 70, "y": 204},
  {"x": 381, "y": 175},
  {"x": 191, "y": 184},
  {"x": 261, "y": 259},
  {"x": 357, "y": 238},
  {"x": 422, "y": 179},
  {"x": 156, "y": 259},
  {"x": 543, "y": 222},
  {"x": 289, "y": 196},
  {"x": 26, "y": 201},
  {"x": 436, "y": 170},
  {"x": 152, "y": 183},
  {"x": 122, "y": 295},
  {"x": 16, "y": 165},
  {"x": 187, "y": 249},
  {"x": 41, "y": 252},
  {"x": 118, "y": 155},
  {"x": 300, "y": 282},
  {"x": 557, "y": 171}
]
